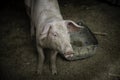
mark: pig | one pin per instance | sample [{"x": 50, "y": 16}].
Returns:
[{"x": 51, "y": 31}]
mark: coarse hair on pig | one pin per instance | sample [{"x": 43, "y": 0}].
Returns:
[
  {"x": 51, "y": 30},
  {"x": 56, "y": 36}
]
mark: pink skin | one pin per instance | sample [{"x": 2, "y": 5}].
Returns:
[{"x": 51, "y": 30}]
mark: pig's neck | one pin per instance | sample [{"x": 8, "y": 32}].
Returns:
[
  {"x": 48, "y": 10},
  {"x": 49, "y": 16}
]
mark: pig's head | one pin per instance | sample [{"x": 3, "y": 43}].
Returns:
[{"x": 56, "y": 36}]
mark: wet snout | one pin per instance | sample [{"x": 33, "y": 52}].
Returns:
[{"x": 69, "y": 54}]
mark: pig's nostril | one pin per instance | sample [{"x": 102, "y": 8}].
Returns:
[{"x": 69, "y": 54}]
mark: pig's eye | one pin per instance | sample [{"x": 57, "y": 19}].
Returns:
[{"x": 55, "y": 34}]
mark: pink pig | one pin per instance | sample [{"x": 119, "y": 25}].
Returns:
[{"x": 51, "y": 30}]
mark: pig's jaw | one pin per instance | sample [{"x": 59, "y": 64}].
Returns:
[{"x": 69, "y": 52}]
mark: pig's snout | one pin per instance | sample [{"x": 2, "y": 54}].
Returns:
[{"x": 69, "y": 54}]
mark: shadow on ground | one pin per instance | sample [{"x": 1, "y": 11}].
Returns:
[{"x": 18, "y": 55}]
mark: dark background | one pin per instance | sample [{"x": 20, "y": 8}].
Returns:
[{"x": 18, "y": 53}]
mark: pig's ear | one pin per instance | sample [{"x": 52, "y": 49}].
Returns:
[
  {"x": 72, "y": 26},
  {"x": 45, "y": 31}
]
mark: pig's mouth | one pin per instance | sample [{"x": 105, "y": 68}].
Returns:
[{"x": 68, "y": 55}]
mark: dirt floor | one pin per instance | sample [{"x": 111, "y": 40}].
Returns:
[{"x": 18, "y": 56}]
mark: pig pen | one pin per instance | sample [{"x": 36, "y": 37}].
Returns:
[{"x": 18, "y": 55}]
